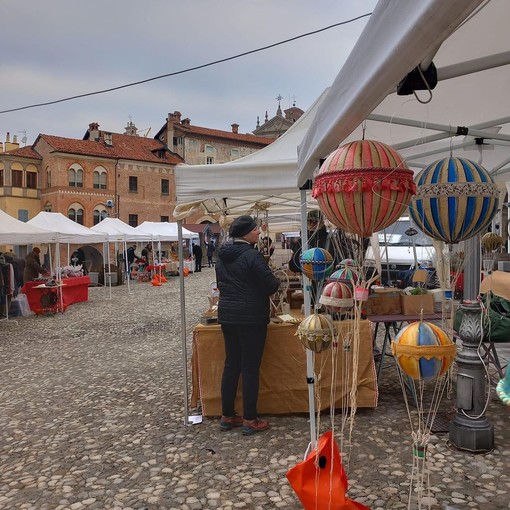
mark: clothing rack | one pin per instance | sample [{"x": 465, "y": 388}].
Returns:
[{"x": 3, "y": 285}]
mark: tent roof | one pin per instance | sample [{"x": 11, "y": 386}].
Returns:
[
  {"x": 473, "y": 74},
  {"x": 163, "y": 231},
  {"x": 13, "y": 231},
  {"x": 68, "y": 231},
  {"x": 266, "y": 178},
  {"x": 117, "y": 230}
]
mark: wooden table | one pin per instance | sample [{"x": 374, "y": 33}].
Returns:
[{"x": 283, "y": 383}]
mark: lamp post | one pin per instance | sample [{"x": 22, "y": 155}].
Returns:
[{"x": 470, "y": 430}]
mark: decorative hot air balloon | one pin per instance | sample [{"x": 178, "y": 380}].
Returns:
[
  {"x": 348, "y": 263},
  {"x": 344, "y": 275},
  {"x": 363, "y": 187},
  {"x": 455, "y": 199},
  {"x": 337, "y": 297},
  {"x": 317, "y": 263},
  {"x": 491, "y": 242},
  {"x": 423, "y": 350},
  {"x": 316, "y": 332}
]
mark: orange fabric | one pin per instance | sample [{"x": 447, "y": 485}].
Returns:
[{"x": 320, "y": 481}]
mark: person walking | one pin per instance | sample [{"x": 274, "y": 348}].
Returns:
[
  {"x": 210, "y": 252},
  {"x": 197, "y": 253},
  {"x": 245, "y": 283}
]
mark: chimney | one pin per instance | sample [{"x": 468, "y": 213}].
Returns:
[
  {"x": 94, "y": 131},
  {"x": 14, "y": 138},
  {"x": 174, "y": 117},
  {"x": 186, "y": 122},
  {"x": 8, "y": 137},
  {"x": 108, "y": 139},
  {"x": 235, "y": 128}
]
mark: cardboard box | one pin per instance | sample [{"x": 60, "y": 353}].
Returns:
[
  {"x": 413, "y": 304},
  {"x": 387, "y": 303}
]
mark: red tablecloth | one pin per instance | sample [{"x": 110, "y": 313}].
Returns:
[{"x": 74, "y": 290}]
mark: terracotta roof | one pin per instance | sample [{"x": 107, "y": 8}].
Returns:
[
  {"x": 198, "y": 228},
  {"x": 24, "y": 152},
  {"x": 136, "y": 148},
  {"x": 226, "y": 135}
]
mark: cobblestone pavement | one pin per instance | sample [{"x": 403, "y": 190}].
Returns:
[{"x": 91, "y": 417}]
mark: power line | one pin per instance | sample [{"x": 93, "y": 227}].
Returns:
[{"x": 183, "y": 71}]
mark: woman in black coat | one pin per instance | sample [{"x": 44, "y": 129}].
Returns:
[{"x": 245, "y": 283}]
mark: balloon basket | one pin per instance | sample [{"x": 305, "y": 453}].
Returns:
[{"x": 360, "y": 294}]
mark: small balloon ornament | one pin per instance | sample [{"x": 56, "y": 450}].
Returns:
[
  {"x": 316, "y": 332},
  {"x": 503, "y": 388},
  {"x": 337, "y": 297},
  {"x": 317, "y": 263},
  {"x": 423, "y": 350},
  {"x": 491, "y": 242},
  {"x": 348, "y": 263},
  {"x": 363, "y": 187},
  {"x": 455, "y": 199},
  {"x": 345, "y": 275}
]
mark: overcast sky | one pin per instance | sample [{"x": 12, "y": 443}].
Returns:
[{"x": 54, "y": 49}]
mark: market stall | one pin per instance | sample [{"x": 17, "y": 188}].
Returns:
[
  {"x": 68, "y": 291},
  {"x": 283, "y": 384}
]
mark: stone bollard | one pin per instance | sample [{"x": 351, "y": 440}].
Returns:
[{"x": 469, "y": 429}]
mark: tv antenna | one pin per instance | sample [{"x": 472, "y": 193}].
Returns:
[{"x": 24, "y": 139}]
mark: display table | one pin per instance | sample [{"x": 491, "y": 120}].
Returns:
[
  {"x": 173, "y": 267},
  {"x": 283, "y": 386},
  {"x": 73, "y": 290}
]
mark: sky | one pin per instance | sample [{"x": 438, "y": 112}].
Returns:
[{"x": 60, "y": 48}]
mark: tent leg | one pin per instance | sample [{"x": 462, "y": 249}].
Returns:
[
  {"x": 307, "y": 304},
  {"x": 184, "y": 349}
]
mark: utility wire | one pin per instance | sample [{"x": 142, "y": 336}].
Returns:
[{"x": 239, "y": 55}]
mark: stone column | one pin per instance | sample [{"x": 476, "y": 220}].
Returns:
[{"x": 469, "y": 429}]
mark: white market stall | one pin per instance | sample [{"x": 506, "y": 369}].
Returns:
[{"x": 13, "y": 231}]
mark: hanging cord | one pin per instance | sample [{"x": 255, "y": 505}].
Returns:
[{"x": 428, "y": 88}]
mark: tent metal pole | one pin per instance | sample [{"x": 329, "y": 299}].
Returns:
[
  {"x": 307, "y": 303},
  {"x": 184, "y": 349},
  {"x": 126, "y": 265}
]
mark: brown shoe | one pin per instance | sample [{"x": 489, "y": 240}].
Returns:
[
  {"x": 253, "y": 426},
  {"x": 229, "y": 422}
]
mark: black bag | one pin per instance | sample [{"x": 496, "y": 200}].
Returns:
[{"x": 497, "y": 320}]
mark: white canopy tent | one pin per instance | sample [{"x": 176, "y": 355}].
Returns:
[
  {"x": 13, "y": 231},
  {"x": 162, "y": 231},
  {"x": 469, "y": 112},
  {"x": 68, "y": 231},
  {"x": 264, "y": 180}
]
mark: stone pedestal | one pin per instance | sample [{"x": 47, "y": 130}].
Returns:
[{"x": 470, "y": 430}]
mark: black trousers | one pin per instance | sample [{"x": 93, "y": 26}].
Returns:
[
  {"x": 198, "y": 264},
  {"x": 244, "y": 346}
]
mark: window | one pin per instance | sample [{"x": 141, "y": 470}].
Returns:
[
  {"x": 133, "y": 220},
  {"x": 99, "y": 178},
  {"x": 17, "y": 178},
  {"x": 235, "y": 154},
  {"x": 75, "y": 213},
  {"x": 23, "y": 215},
  {"x": 75, "y": 174},
  {"x": 133, "y": 184},
  {"x": 48, "y": 178},
  {"x": 31, "y": 180},
  {"x": 100, "y": 213},
  {"x": 1, "y": 177},
  {"x": 165, "y": 219},
  {"x": 165, "y": 187},
  {"x": 210, "y": 152}
]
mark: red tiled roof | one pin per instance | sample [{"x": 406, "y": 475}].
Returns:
[
  {"x": 136, "y": 148},
  {"x": 197, "y": 130},
  {"x": 24, "y": 152}
]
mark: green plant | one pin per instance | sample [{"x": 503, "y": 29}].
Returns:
[{"x": 416, "y": 291}]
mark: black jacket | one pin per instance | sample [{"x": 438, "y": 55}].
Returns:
[{"x": 245, "y": 283}]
